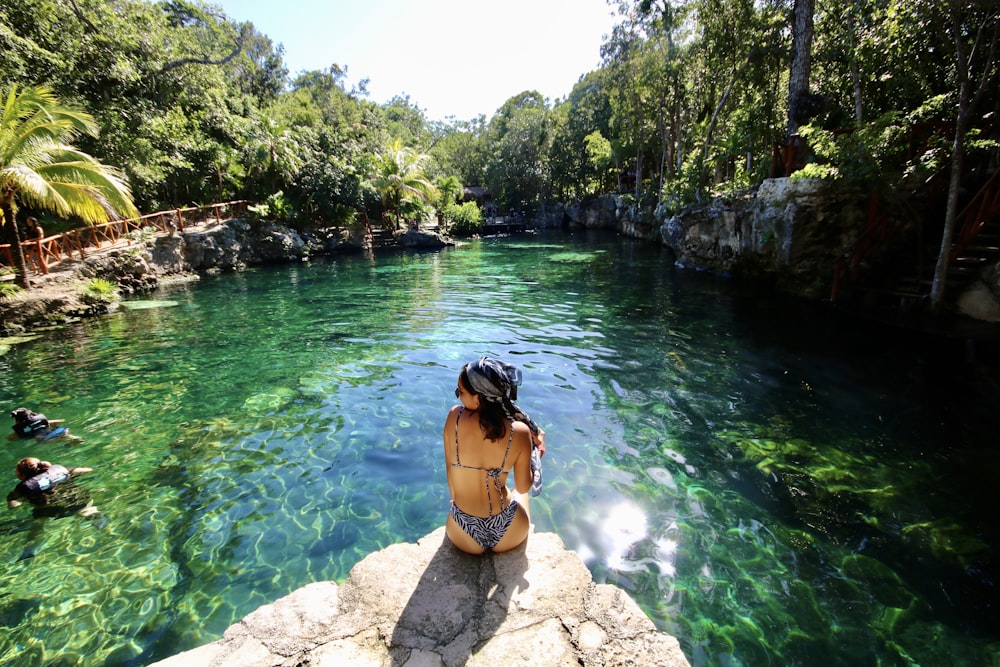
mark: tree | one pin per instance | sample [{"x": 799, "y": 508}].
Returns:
[
  {"x": 274, "y": 155},
  {"x": 406, "y": 121},
  {"x": 400, "y": 180},
  {"x": 519, "y": 135},
  {"x": 450, "y": 190},
  {"x": 584, "y": 114},
  {"x": 975, "y": 43},
  {"x": 798, "y": 78},
  {"x": 39, "y": 167},
  {"x": 460, "y": 149}
]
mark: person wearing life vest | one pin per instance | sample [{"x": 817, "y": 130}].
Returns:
[
  {"x": 43, "y": 483},
  {"x": 28, "y": 424}
]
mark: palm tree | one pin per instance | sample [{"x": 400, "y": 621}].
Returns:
[
  {"x": 450, "y": 190},
  {"x": 400, "y": 179},
  {"x": 40, "y": 168},
  {"x": 276, "y": 155}
]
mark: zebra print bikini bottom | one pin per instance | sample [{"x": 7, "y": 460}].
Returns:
[{"x": 486, "y": 531}]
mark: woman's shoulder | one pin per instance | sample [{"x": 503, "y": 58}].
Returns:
[
  {"x": 522, "y": 434},
  {"x": 453, "y": 415},
  {"x": 520, "y": 427}
]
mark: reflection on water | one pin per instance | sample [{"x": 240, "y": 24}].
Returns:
[{"x": 772, "y": 484}]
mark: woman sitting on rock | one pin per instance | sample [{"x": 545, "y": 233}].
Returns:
[{"x": 483, "y": 442}]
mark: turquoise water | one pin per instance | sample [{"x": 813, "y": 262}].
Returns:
[{"x": 773, "y": 484}]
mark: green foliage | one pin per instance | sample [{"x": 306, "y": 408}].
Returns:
[
  {"x": 98, "y": 292},
  {"x": 143, "y": 236},
  {"x": 259, "y": 212},
  {"x": 449, "y": 190},
  {"x": 276, "y": 208},
  {"x": 599, "y": 158},
  {"x": 461, "y": 149},
  {"x": 586, "y": 112},
  {"x": 8, "y": 288},
  {"x": 40, "y": 166},
  {"x": 520, "y": 139},
  {"x": 405, "y": 121},
  {"x": 464, "y": 219},
  {"x": 401, "y": 182},
  {"x": 871, "y": 155},
  {"x": 678, "y": 193},
  {"x": 814, "y": 170},
  {"x": 192, "y": 106}
]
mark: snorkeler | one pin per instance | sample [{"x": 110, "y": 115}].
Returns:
[
  {"x": 49, "y": 485},
  {"x": 52, "y": 491},
  {"x": 28, "y": 424}
]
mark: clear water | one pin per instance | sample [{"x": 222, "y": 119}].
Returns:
[{"x": 774, "y": 485}]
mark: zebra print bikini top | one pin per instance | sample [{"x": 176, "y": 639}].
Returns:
[{"x": 491, "y": 473}]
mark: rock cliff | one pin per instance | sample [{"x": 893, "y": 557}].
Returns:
[
  {"x": 428, "y": 604},
  {"x": 786, "y": 232},
  {"x": 146, "y": 263}
]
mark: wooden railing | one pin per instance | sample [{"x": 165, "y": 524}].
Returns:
[
  {"x": 980, "y": 211},
  {"x": 40, "y": 254},
  {"x": 983, "y": 208}
]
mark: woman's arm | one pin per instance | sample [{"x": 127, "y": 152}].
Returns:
[
  {"x": 448, "y": 438},
  {"x": 522, "y": 462}
]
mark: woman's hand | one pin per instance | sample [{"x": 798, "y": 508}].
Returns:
[{"x": 538, "y": 440}]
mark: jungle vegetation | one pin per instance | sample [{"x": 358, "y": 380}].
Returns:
[{"x": 694, "y": 99}]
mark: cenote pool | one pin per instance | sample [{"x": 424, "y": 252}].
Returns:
[{"x": 773, "y": 483}]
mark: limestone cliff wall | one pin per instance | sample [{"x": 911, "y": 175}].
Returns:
[{"x": 789, "y": 231}]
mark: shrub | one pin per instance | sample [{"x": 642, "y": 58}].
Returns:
[
  {"x": 463, "y": 219},
  {"x": 277, "y": 207},
  {"x": 8, "y": 287},
  {"x": 143, "y": 236},
  {"x": 98, "y": 291}
]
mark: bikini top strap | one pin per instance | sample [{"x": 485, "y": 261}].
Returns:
[
  {"x": 458, "y": 459},
  {"x": 510, "y": 439}
]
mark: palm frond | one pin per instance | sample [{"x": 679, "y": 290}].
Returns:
[
  {"x": 74, "y": 182},
  {"x": 43, "y": 169}
]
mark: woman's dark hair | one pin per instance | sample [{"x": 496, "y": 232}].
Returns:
[{"x": 492, "y": 414}]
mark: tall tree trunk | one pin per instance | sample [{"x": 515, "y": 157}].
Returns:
[
  {"x": 855, "y": 73},
  {"x": 13, "y": 237},
  {"x": 661, "y": 130},
  {"x": 859, "y": 115},
  {"x": 951, "y": 212},
  {"x": 967, "y": 103},
  {"x": 712, "y": 123},
  {"x": 638, "y": 171},
  {"x": 798, "y": 76}
]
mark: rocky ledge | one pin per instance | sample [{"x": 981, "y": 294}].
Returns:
[
  {"x": 209, "y": 247},
  {"x": 428, "y": 604}
]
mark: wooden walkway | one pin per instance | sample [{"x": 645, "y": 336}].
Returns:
[{"x": 41, "y": 254}]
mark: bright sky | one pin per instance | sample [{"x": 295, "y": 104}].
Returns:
[{"x": 456, "y": 58}]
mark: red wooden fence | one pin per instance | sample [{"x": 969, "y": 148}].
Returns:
[{"x": 39, "y": 254}]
